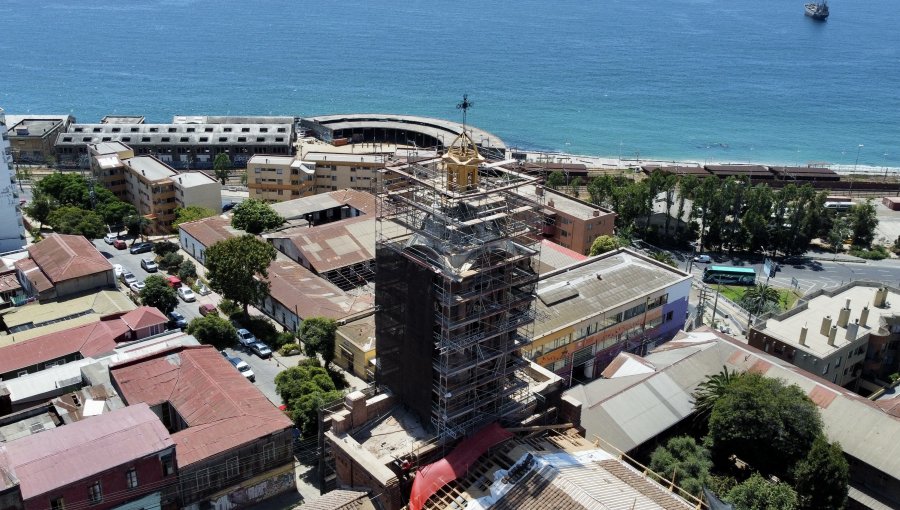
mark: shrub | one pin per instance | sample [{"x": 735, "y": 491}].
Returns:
[
  {"x": 229, "y": 307},
  {"x": 164, "y": 248},
  {"x": 171, "y": 261},
  {"x": 263, "y": 329},
  {"x": 875, "y": 253},
  {"x": 283, "y": 338},
  {"x": 187, "y": 270},
  {"x": 290, "y": 349}
]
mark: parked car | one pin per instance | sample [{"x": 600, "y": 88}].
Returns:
[
  {"x": 140, "y": 248},
  {"x": 119, "y": 244},
  {"x": 202, "y": 289},
  {"x": 174, "y": 282},
  {"x": 110, "y": 238},
  {"x": 117, "y": 269},
  {"x": 242, "y": 367},
  {"x": 177, "y": 320},
  {"x": 128, "y": 277},
  {"x": 186, "y": 294},
  {"x": 137, "y": 287},
  {"x": 207, "y": 308},
  {"x": 229, "y": 206},
  {"x": 245, "y": 337},
  {"x": 703, "y": 259},
  {"x": 149, "y": 265},
  {"x": 260, "y": 349}
]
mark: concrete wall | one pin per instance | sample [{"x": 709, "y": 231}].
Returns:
[
  {"x": 11, "y": 228},
  {"x": 192, "y": 246},
  {"x": 106, "y": 279},
  {"x": 208, "y": 195}
]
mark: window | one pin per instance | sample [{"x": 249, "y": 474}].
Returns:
[
  {"x": 232, "y": 467},
  {"x": 242, "y": 138},
  {"x": 57, "y": 504},
  {"x": 131, "y": 478},
  {"x": 281, "y": 130},
  {"x": 208, "y": 130},
  {"x": 190, "y": 130},
  {"x": 154, "y": 130},
  {"x": 95, "y": 493},
  {"x": 838, "y": 362},
  {"x": 227, "y": 130},
  {"x": 245, "y": 130},
  {"x": 202, "y": 479},
  {"x": 268, "y": 452},
  {"x": 168, "y": 464},
  {"x": 173, "y": 130},
  {"x": 116, "y": 130},
  {"x": 164, "y": 139},
  {"x": 184, "y": 139},
  {"x": 263, "y": 130}
]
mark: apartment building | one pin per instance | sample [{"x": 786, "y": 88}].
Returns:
[
  {"x": 12, "y": 230},
  {"x": 279, "y": 178},
  {"x": 592, "y": 310},
  {"x": 32, "y": 136},
  {"x": 568, "y": 221},
  {"x": 153, "y": 187},
  {"x": 849, "y": 336}
]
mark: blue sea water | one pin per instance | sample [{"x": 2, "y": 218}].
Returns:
[{"x": 680, "y": 79}]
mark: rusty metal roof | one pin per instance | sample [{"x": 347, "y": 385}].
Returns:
[
  {"x": 64, "y": 257},
  {"x": 298, "y": 289},
  {"x": 221, "y": 408}
]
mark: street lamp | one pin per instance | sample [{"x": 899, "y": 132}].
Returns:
[
  {"x": 884, "y": 164},
  {"x": 860, "y": 146}
]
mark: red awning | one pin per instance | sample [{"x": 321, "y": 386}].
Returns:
[{"x": 432, "y": 477}]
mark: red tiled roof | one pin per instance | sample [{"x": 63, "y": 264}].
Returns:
[
  {"x": 34, "y": 274},
  {"x": 221, "y": 408},
  {"x": 89, "y": 340},
  {"x": 64, "y": 257},
  {"x": 143, "y": 317},
  {"x": 546, "y": 244},
  {"x": 55, "y": 458},
  {"x": 298, "y": 289}
]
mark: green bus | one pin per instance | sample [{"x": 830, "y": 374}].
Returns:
[{"x": 729, "y": 275}]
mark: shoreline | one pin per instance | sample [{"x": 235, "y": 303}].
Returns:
[{"x": 615, "y": 163}]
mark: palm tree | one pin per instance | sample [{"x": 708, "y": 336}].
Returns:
[
  {"x": 664, "y": 257},
  {"x": 710, "y": 390},
  {"x": 759, "y": 298}
]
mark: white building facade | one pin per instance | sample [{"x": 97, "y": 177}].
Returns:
[{"x": 11, "y": 228}]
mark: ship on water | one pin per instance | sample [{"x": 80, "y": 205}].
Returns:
[{"x": 816, "y": 10}]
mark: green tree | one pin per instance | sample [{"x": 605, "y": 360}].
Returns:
[
  {"x": 171, "y": 262},
  {"x": 755, "y": 493},
  {"x": 255, "y": 216},
  {"x": 664, "y": 257},
  {"x": 763, "y": 422},
  {"x": 556, "y": 180},
  {"x": 304, "y": 389},
  {"x": 237, "y": 268},
  {"x": 157, "y": 293},
  {"x": 74, "y": 220},
  {"x": 822, "y": 478},
  {"x": 39, "y": 209},
  {"x": 222, "y": 167},
  {"x": 684, "y": 462},
  {"x": 757, "y": 218},
  {"x": 840, "y": 230},
  {"x": 113, "y": 213},
  {"x": 760, "y": 299},
  {"x": 137, "y": 226},
  {"x": 864, "y": 222},
  {"x": 163, "y": 248},
  {"x": 191, "y": 213},
  {"x": 574, "y": 185},
  {"x": 669, "y": 187},
  {"x": 65, "y": 189},
  {"x": 603, "y": 244},
  {"x": 244, "y": 178},
  {"x": 22, "y": 174},
  {"x": 654, "y": 185},
  {"x": 186, "y": 270},
  {"x": 709, "y": 391},
  {"x": 686, "y": 187},
  {"x": 318, "y": 337},
  {"x": 213, "y": 330},
  {"x": 601, "y": 189}
]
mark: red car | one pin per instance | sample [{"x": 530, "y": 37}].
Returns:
[
  {"x": 207, "y": 308},
  {"x": 119, "y": 244}
]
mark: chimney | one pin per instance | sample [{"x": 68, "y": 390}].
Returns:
[
  {"x": 832, "y": 335},
  {"x": 539, "y": 191},
  {"x": 881, "y": 297},
  {"x": 844, "y": 315},
  {"x": 596, "y": 213},
  {"x": 803, "y": 331},
  {"x": 864, "y": 316},
  {"x": 144, "y": 172},
  {"x": 550, "y": 202},
  {"x": 826, "y": 325},
  {"x": 852, "y": 330}
]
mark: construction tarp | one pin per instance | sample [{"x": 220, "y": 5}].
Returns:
[{"x": 432, "y": 477}]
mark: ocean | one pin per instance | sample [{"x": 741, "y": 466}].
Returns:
[{"x": 702, "y": 80}]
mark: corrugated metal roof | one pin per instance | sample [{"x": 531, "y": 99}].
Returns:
[
  {"x": 144, "y": 317},
  {"x": 210, "y": 231},
  {"x": 339, "y": 500},
  {"x": 53, "y": 459},
  {"x": 221, "y": 408},
  {"x": 89, "y": 340},
  {"x": 64, "y": 257},
  {"x": 298, "y": 289}
]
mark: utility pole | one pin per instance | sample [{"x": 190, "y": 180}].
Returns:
[{"x": 716, "y": 302}]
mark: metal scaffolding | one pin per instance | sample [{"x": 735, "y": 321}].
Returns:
[{"x": 459, "y": 224}]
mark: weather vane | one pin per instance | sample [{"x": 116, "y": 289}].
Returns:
[{"x": 464, "y": 106}]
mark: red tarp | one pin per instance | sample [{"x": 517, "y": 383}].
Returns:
[{"x": 434, "y": 476}]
